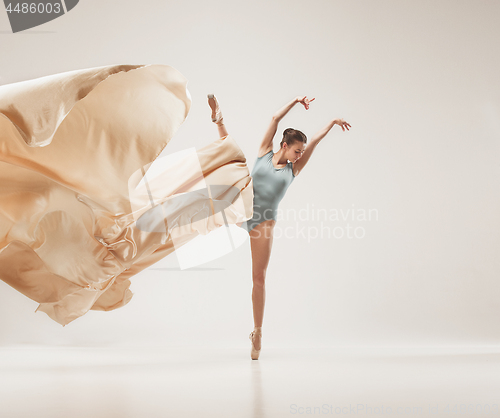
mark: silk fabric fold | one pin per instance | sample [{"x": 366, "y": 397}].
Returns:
[{"x": 77, "y": 218}]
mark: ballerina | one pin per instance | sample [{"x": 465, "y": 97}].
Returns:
[{"x": 272, "y": 175}]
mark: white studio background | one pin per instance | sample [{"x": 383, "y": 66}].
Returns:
[{"x": 417, "y": 80}]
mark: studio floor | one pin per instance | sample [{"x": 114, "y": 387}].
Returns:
[{"x": 84, "y": 382}]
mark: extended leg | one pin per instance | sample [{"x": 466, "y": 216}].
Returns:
[
  {"x": 217, "y": 115},
  {"x": 222, "y": 130}
]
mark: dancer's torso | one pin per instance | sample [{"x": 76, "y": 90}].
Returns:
[{"x": 269, "y": 187}]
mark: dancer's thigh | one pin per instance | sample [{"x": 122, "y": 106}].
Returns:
[{"x": 261, "y": 241}]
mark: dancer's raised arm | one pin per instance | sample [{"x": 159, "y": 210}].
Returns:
[
  {"x": 302, "y": 161},
  {"x": 267, "y": 142}
]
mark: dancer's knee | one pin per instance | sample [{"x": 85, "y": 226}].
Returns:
[{"x": 259, "y": 278}]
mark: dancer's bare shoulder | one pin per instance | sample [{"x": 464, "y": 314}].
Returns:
[{"x": 263, "y": 151}]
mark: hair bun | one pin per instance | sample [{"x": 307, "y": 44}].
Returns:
[{"x": 290, "y": 136}]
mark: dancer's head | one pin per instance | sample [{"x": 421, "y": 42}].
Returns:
[{"x": 294, "y": 143}]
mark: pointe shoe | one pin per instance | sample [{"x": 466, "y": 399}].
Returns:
[
  {"x": 216, "y": 113},
  {"x": 254, "y": 353}
]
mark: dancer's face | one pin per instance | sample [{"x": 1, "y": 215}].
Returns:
[{"x": 294, "y": 151}]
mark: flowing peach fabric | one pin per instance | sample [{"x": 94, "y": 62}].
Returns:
[{"x": 72, "y": 148}]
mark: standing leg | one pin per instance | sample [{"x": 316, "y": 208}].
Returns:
[{"x": 261, "y": 240}]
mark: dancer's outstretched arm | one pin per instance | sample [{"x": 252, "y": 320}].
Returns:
[
  {"x": 267, "y": 142},
  {"x": 302, "y": 161}
]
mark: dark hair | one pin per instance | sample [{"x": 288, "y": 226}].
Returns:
[{"x": 290, "y": 136}]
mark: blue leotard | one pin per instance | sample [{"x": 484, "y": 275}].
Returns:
[{"x": 269, "y": 187}]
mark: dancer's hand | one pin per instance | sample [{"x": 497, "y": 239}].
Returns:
[
  {"x": 342, "y": 123},
  {"x": 304, "y": 100}
]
